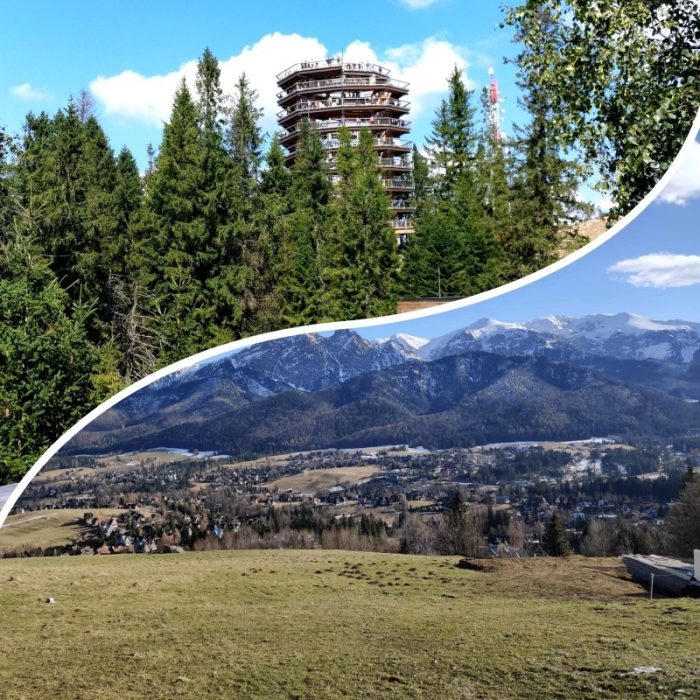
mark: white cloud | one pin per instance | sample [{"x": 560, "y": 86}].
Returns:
[
  {"x": 685, "y": 184},
  {"x": 418, "y": 4},
  {"x": 427, "y": 65},
  {"x": 26, "y": 91},
  {"x": 148, "y": 99},
  {"x": 659, "y": 270}
]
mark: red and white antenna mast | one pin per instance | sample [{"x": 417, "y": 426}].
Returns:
[{"x": 494, "y": 107}]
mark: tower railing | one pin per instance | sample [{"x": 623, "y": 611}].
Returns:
[
  {"x": 378, "y": 143},
  {"x": 326, "y": 63},
  {"x": 342, "y": 102},
  {"x": 329, "y": 124},
  {"x": 346, "y": 81}
]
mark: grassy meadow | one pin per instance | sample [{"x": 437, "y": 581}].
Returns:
[{"x": 329, "y": 624}]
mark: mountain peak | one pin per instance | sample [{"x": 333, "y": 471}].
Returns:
[
  {"x": 491, "y": 325},
  {"x": 410, "y": 342}
]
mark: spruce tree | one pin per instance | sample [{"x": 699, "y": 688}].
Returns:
[
  {"x": 5, "y": 192},
  {"x": 46, "y": 359},
  {"x": 452, "y": 143},
  {"x": 361, "y": 269},
  {"x": 234, "y": 277},
  {"x": 493, "y": 166},
  {"x": 422, "y": 188},
  {"x": 270, "y": 223},
  {"x": 451, "y": 253},
  {"x": 554, "y": 541},
  {"x": 544, "y": 192},
  {"x": 65, "y": 179},
  {"x": 179, "y": 260},
  {"x": 304, "y": 247},
  {"x": 275, "y": 178}
]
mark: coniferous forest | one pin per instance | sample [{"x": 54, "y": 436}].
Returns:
[{"x": 108, "y": 273}]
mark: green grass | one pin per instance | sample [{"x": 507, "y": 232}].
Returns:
[{"x": 327, "y": 624}]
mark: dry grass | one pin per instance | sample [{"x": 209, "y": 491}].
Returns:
[
  {"x": 316, "y": 480},
  {"x": 46, "y": 528},
  {"x": 321, "y": 624}
]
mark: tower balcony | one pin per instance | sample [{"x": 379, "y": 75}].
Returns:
[
  {"x": 338, "y": 105},
  {"x": 381, "y": 143},
  {"x": 330, "y": 65},
  {"x": 398, "y": 88},
  {"x": 392, "y": 124},
  {"x": 405, "y": 225},
  {"x": 398, "y": 184},
  {"x": 390, "y": 165},
  {"x": 398, "y": 204}
]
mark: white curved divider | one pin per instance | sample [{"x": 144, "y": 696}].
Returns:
[{"x": 18, "y": 489}]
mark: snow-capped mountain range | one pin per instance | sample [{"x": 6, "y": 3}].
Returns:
[
  {"x": 623, "y": 336},
  {"x": 312, "y": 361},
  {"x": 491, "y": 381},
  {"x": 488, "y": 366}
]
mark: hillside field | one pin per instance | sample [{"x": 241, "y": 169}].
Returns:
[
  {"x": 329, "y": 624},
  {"x": 315, "y": 480},
  {"x": 47, "y": 528}
]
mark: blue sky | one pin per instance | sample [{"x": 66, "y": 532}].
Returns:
[
  {"x": 130, "y": 55},
  {"x": 651, "y": 268}
]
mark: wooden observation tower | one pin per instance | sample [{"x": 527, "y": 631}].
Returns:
[{"x": 332, "y": 93}]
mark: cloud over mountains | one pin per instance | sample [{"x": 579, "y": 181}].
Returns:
[{"x": 659, "y": 270}]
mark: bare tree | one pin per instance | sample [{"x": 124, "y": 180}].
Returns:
[
  {"x": 85, "y": 104},
  {"x": 132, "y": 327}
]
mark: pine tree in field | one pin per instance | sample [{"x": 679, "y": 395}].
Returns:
[
  {"x": 303, "y": 250},
  {"x": 682, "y": 526},
  {"x": 362, "y": 261},
  {"x": 554, "y": 541}
]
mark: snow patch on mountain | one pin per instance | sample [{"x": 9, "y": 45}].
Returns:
[
  {"x": 488, "y": 326},
  {"x": 410, "y": 341}
]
